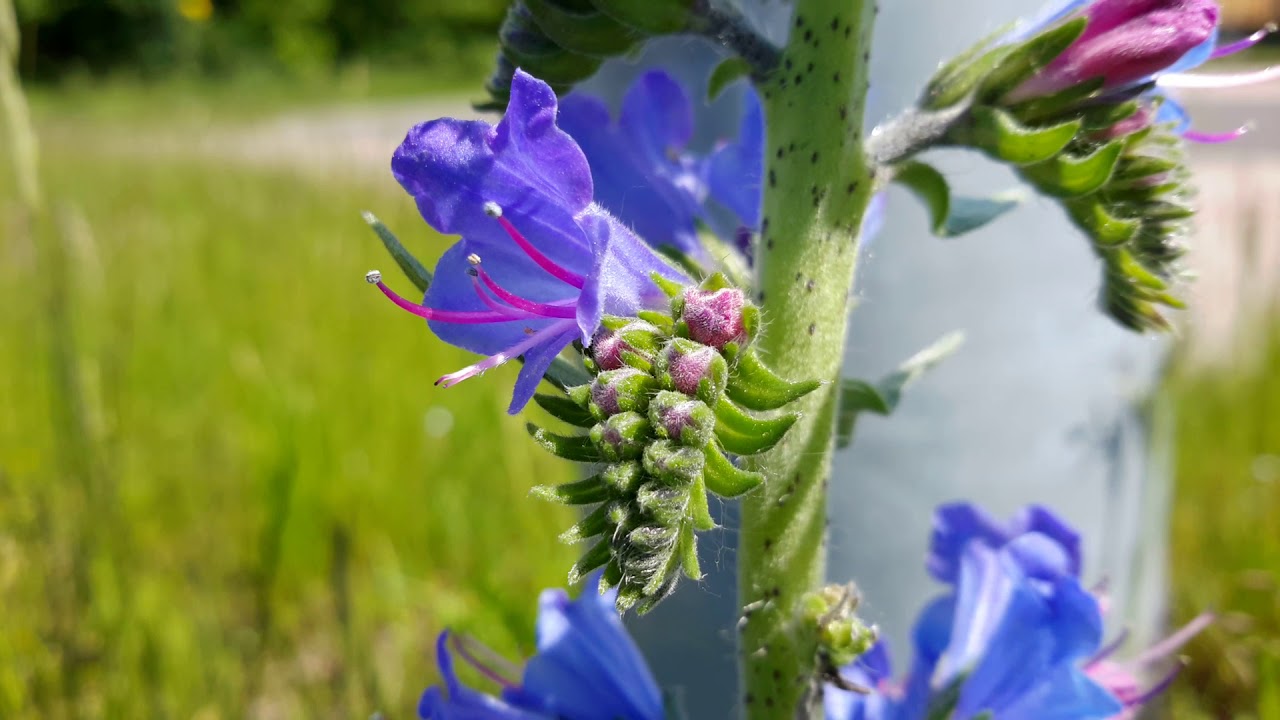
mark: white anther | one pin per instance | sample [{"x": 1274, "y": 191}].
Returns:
[
  {"x": 474, "y": 259},
  {"x": 373, "y": 277},
  {"x": 493, "y": 209}
]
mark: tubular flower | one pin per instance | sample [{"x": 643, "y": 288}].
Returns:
[
  {"x": 1017, "y": 638},
  {"x": 586, "y": 668},
  {"x": 646, "y": 175},
  {"x": 539, "y": 264}
]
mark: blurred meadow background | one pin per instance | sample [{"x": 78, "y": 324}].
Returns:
[{"x": 227, "y": 486}]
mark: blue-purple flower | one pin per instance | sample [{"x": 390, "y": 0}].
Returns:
[
  {"x": 539, "y": 263},
  {"x": 1144, "y": 46},
  {"x": 646, "y": 175},
  {"x": 1018, "y": 636},
  {"x": 586, "y": 668}
]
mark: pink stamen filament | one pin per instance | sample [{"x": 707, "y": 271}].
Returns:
[
  {"x": 1244, "y": 44},
  {"x": 494, "y": 304},
  {"x": 1109, "y": 650},
  {"x": 461, "y": 317},
  {"x": 1189, "y": 81},
  {"x": 510, "y": 353},
  {"x": 542, "y": 261},
  {"x": 1169, "y": 645},
  {"x": 515, "y": 301},
  {"x": 1155, "y": 690},
  {"x": 1215, "y": 138},
  {"x": 460, "y": 646}
]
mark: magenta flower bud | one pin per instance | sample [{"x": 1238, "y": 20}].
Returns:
[
  {"x": 715, "y": 317},
  {"x": 622, "y": 390},
  {"x": 693, "y": 369},
  {"x": 609, "y": 345},
  {"x": 677, "y": 417},
  {"x": 606, "y": 349},
  {"x": 1126, "y": 42}
]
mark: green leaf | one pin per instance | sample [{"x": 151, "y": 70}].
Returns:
[
  {"x": 657, "y": 17},
  {"x": 743, "y": 434},
  {"x": 1030, "y": 58},
  {"x": 1073, "y": 175},
  {"x": 1000, "y": 135},
  {"x": 753, "y": 385},
  {"x": 725, "y": 73},
  {"x": 952, "y": 215},
  {"x": 699, "y": 510},
  {"x": 414, "y": 270},
  {"x": 598, "y": 555},
  {"x": 724, "y": 478},
  {"x": 563, "y": 408},
  {"x": 595, "y": 523},
  {"x": 1106, "y": 230},
  {"x": 578, "y": 448},
  {"x": 882, "y": 398},
  {"x": 565, "y": 374},
  {"x": 688, "y": 543},
  {"x": 588, "y": 33},
  {"x": 957, "y": 78},
  {"x": 583, "y": 492}
]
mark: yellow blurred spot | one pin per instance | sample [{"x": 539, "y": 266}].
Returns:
[{"x": 195, "y": 10}]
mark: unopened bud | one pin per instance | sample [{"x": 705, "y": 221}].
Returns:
[
  {"x": 678, "y": 417},
  {"x": 674, "y": 464},
  {"x": 622, "y": 436},
  {"x": 609, "y": 346},
  {"x": 715, "y": 317},
  {"x": 622, "y": 390},
  {"x": 664, "y": 503},
  {"x": 693, "y": 369},
  {"x": 842, "y": 636}
]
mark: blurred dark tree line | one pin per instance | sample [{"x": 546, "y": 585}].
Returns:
[{"x": 156, "y": 37}]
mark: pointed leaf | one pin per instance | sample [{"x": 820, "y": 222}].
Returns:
[
  {"x": 959, "y": 76},
  {"x": 725, "y": 479},
  {"x": 1000, "y": 135},
  {"x": 583, "y": 492},
  {"x": 587, "y": 33},
  {"x": 952, "y": 215},
  {"x": 1071, "y": 175},
  {"x": 578, "y": 448},
  {"x": 565, "y": 409},
  {"x": 593, "y": 524},
  {"x": 743, "y": 434},
  {"x": 565, "y": 374},
  {"x": 688, "y": 543},
  {"x": 598, "y": 555},
  {"x": 753, "y": 385},
  {"x": 857, "y": 396},
  {"x": 699, "y": 510},
  {"x": 1106, "y": 230},
  {"x": 414, "y": 270},
  {"x": 725, "y": 74},
  {"x": 1030, "y": 58}
]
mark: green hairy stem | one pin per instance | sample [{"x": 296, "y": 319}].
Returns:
[{"x": 817, "y": 184}]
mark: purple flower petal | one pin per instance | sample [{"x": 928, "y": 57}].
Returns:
[
  {"x": 955, "y": 525},
  {"x": 737, "y": 167}
]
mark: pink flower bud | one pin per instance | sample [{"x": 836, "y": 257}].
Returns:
[{"x": 714, "y": 317}]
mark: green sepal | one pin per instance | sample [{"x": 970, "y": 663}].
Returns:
[
  {"x": 724, "y": 478},
  {"x": 682, "y": 260},
  {"x": 670, "y": 288},
  {"x": 1136, "y": 167},
  {"x": 612, "y": 575},
  {"x": 1072, "y": 176},
  {"x": 623, "y": 478},
  {"x": 409, "y": 265},
  {"x": 1050, "y": 106},
  {"x": 754, "y": 386},
  {"x": 674, "y": 464},
  {"x": 699, "y": 510},
  {"x": 598, "y": 555},
  {"x": 595, "y": 523},
  {"x": 882, "y": 398},
  {"x": 1126, "y": 266},
  {"x": 565, "y": 409},
  {"x": 577, "y": 448},
  {"x": 952, "y": 215},
  {"x": 585, "y": 33},
  {"x": 1092, "y": 216},
  {"x": 655, "y": 17},
  {"x": 1000, "y": 135},
  {"x": 956, "y": 79},
  {"x": 583, "y": 492},
  {"x": 664, "y": 503},
  {"x": 662, "y": 321},
  {"x": 622, "y": 437},
  {"x": 1030, "y": 58},
  {"x": 1106, "y": 116},
  {"x": 565, "y": 374},
  {"x": 724, "y": 74},
  {"x": 687, "y": 544},
  {"x": 743, "y": 434}
]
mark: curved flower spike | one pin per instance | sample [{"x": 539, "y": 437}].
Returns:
[
  {"x": 586, "y": 668},
  {"x": 645, "y": 173},
  {"x": 539, "y": 264}
]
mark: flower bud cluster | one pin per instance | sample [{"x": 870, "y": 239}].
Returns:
[
  {"x": 671, "y": 405},
  {"x": 564, "y": 41},
  {"x": 1072, "y": 109}
]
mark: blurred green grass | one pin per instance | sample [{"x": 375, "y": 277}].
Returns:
[
  {"x": 228, "y": 487},
  {"x": 1226, "y": 534}
]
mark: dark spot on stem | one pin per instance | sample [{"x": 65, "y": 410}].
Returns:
[
  {"x": 809, "y": 68},
  {"x": 808, "y": 35},
  {"x": 799, "y": 78},
  {"x": 809, "y": 285},
  {"x": 836, "y": 77},
  {"x": 852, "y": 187},
  {"x": 769, "y": 243},
  {"x": 787, "y": 63},
  {"x": 835, "y": 23},
  {"x": 813, "y": 327},
  {"x": 814, "y": 157},
  {"x": 779, "y": 154},
  {"x": 799, "y": 21},
  {"x": 773, "y": 178}
]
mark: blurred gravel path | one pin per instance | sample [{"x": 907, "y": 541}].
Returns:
[{"x": 1236, "y": 256}]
